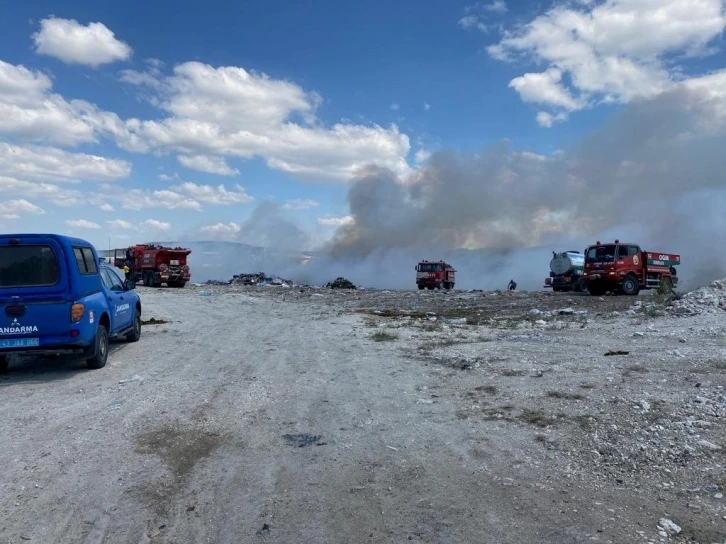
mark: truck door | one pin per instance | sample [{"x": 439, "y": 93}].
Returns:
[{"x": 121, "y": 312}]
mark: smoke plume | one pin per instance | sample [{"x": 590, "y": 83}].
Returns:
[{"x": 652, "y": 174}]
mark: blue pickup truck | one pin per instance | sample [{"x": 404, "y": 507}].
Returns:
[{"x": 56, "y": 296}]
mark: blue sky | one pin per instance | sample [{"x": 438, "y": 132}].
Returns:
[{"x": 422, "y": 66}]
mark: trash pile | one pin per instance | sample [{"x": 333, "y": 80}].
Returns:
[
  {"x": 710, "y": 299},
  {"x": 260, "y": 278},
  {"x": 340, "y": 283}
]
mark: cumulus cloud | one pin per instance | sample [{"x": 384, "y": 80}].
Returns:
[
  {"x": 120, "y": 224},
  {"x": 300, "y": 204},
  {"x": 42, "y": 163},
  {"x": 213, "y": 195},
  {"x": 73, "y": 43},
  {"x": 82, "y": 224},
  {"x": 227, "y": 111},
  {"x": 209, "y": 164},
  {"x": 12, "y": 209},
  {"x": 612, "y": 51},
  {"x": 155, "y": 224},
  {"x": 335, "y": 221},
  {"x": 222, "y": 231}
]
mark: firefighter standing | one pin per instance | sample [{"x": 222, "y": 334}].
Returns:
[
  {"x": 129, "y": 264},
  {"x": 512, "y": 285}
]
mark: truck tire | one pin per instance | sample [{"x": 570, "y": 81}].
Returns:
[
  {"x": 630, "y": 286},
  {"x": 135, "y": 335},
  {"x": 581, "y": 285},
  {"x": 420, "y": 287},
  {"x": 101, "y": 356},
  {"x": 4, "y": 363},
  {"x": 666, "y": 286}
]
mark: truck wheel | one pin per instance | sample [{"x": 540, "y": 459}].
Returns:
[
  {"x": 420, "y": 287},
  {"x": 581, "y": 285},
  {"x": 4, "y": 363},
  {"x": 136, "y": 334},
  {"x": 630, "y": 286},
  {"x": 101, "y": 356},
  {"x": 666, "y": 286}
]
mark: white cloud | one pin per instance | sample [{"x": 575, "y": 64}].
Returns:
[
  {"x": 73, "y": 43},
  {"x": 333, "y": 221},
  {"x": 427, "y": 106},
  {"x": 207, "y": 163},
  {"x": 120, "y": 224},
  {"x": 544, "y": 88},
  {"x": 497, "y": 6},
  {"x": 213, "y": 195},
  {"x": 28, "y": 109},
  {"x": 139, "y": 199},
  {"x": 613, "y": 51},
  {"x": 11, "y": 209},
  {"x": 36, "y": 163},
  {"x": 300, "y": 204},
  {"x": 82, "y": 224},
  {"x": 222, "y": 230},
  {"x": 106, "y": 207},
  {"x": 154, "y": 224},
  {"x": 230, "y": 112},
  {"x": 395, "y": 107},
  {"x": 477, "y": 14},
  {"x": 422, "y": 155}
]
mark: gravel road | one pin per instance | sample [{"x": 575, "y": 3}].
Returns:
[{"x": 281, "y": 415}]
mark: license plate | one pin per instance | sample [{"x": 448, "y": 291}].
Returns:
[
  {"x": 19, "y": 342},
  {"x": 174, "y": 262}
]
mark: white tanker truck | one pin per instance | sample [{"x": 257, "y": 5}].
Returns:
[{"x": 566, "y": 272}]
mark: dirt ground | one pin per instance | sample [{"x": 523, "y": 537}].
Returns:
[{"x": 269, "y": 414}]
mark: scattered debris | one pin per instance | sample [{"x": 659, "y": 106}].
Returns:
[
  {"x": 154, "y": 321},
  {"x": 617, "y": 352},
  {"x": 709, "y": 299},
  {"x": 263, "y": 530},
  {"x": 669, "y": 527},
  {"x": 341, "y": 283},
  {"x": 302, "y": 440}
]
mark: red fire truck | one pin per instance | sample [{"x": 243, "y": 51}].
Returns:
[
  {"x": 625, "y": 268},
  {"x": 155, "y": 264},
  {"x": 435, "y": 275}
]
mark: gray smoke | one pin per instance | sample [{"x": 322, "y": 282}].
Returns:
[
  {"x": 268, "y": 227},
  {"x": 652, "y": 174},
  {"x": 630, "y": 179}
]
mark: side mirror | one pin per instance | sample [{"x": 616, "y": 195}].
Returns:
[{"x": 129, "y": 285}]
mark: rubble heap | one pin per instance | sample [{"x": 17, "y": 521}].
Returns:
[
  {"x": 709, "y": 299},
  {"x": 341, "y": 283}
]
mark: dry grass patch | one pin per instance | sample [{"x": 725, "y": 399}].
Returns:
[{"x": 383, "y": 336}]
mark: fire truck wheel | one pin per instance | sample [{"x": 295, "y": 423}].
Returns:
[
  {"x": 581, "y": 285},
  {"x": 666, "y": 286},
  {"x": 420, "y": 287},
  {"x": 4, "y": 364},
  {"x": 630, "y": 286}
]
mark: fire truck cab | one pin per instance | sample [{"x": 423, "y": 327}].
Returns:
[{"x": 435, "y": 275}]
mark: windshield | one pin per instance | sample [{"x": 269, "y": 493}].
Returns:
[
  {"x": 429, "y": 267},
  {"x": 600, "y": 253},
  {"x": 28, "y": 266}
]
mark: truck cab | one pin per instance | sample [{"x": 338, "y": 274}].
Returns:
[
  {"x": 626, "y": 268},
  {"x": 56, "y": 296},
  {"x": 435, "y": 275}
]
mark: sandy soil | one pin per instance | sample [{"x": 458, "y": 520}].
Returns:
[{"x": 280, "y": 415}]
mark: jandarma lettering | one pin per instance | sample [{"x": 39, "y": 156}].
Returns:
[{"x": 18, "y": 330}]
